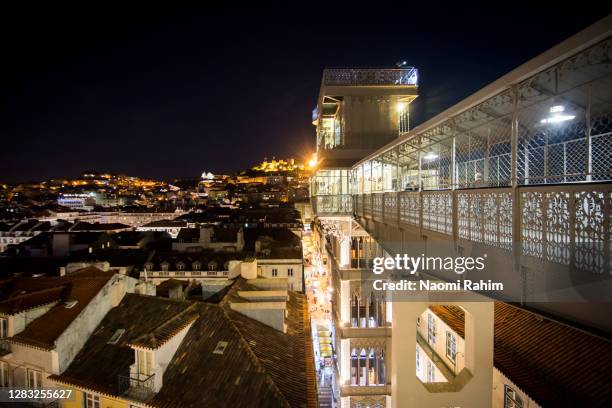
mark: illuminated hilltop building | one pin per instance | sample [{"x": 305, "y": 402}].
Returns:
[{"x": 279, "y": 165}]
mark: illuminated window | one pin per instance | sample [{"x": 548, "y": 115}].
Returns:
[
  {"x": 451, "y": 346},
  {"x": 431, "y": 372},
  {"x": 92, "y": 401},
  {"x": 511, "y": 398},
  {"x": 34, "y": 378},
  {"x": 431, "y": 329},
  {"x": 4, "y": 374}
]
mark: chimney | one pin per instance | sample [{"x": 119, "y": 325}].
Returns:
[
  {"x": 248, "y": 268},
  {"x": 240, "y": 240},
  {"x": 271, "y": 313}
]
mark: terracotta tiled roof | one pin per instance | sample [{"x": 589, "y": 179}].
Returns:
[
  {"x": 29, "y": 300},
  {"x": 452, "y": 315},
  {"x": 259, "y": 367},
  {"x": 235, "y": 378},
  {"x": 44, "y": 330},
  {"x": 556, "y": 365},
  {"x": 166, "y": 329},
  {"x": 98, "y": 364}
]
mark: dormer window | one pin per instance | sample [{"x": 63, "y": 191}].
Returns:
[
  {"x": 180, "y": 266},
  {"x": 212, "y": 266},
  {"x": 165, "y": 266},
  {"x": 148, "y": 266},
  {"x": 197, "y": 265},
  {"x": 144, "y": 360}
]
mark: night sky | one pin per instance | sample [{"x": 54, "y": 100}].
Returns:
[{"x": 165, "y": 98}]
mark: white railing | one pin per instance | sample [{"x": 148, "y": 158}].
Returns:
[
  {"x": 567, "y": 224},
  {"x": 370, "y": 76},
  {"x": 332, "y": 204}
]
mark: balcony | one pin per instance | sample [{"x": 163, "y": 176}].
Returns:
[
  {"x": 348, "y": 332},
  {"x": 330, "y": 205},
  {"x": 370, "y": 77},
  {"x": 138, "y": 387},
  {"x": 363, "y": 390},
  {"x": 565, "y": 224}
]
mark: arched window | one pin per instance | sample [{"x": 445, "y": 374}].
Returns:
[
  {"x": 354, "y": 310},
  {"x": 362, "y": 368},
  {"x": 354, "y": 367}
]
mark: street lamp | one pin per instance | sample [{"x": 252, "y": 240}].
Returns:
[
  {"x": 430, "y": 156},
  {"x": 314, "y": 161},
  {"x": 557, "y": 115}
]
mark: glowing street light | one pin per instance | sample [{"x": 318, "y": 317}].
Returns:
[
  {"x": 314, "y": 161},
  {"x": 430, "y": 156},
  {"x": 557, "y": 115}
]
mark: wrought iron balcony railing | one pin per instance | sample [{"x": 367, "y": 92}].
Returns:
[
  {"x": 332, "y": 204},
  {"x": 567, "y": 224},
  {"x": 140, "y": 387}
]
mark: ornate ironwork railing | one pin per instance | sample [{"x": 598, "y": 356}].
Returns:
[
  {"x": 139, "y": 387},
  {"x": 332, "y": 204},
  {"x": 370, "y": 76},
  {"x": 566, "y": 223}
]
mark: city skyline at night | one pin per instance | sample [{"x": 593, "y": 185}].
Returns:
[{"x": 398, "y": 212}]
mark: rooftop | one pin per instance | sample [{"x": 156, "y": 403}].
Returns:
[
  {"x": 81, "y": 286},
  {"x": 259, "y": 366},
  {"x": 555, "y": 364}
]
